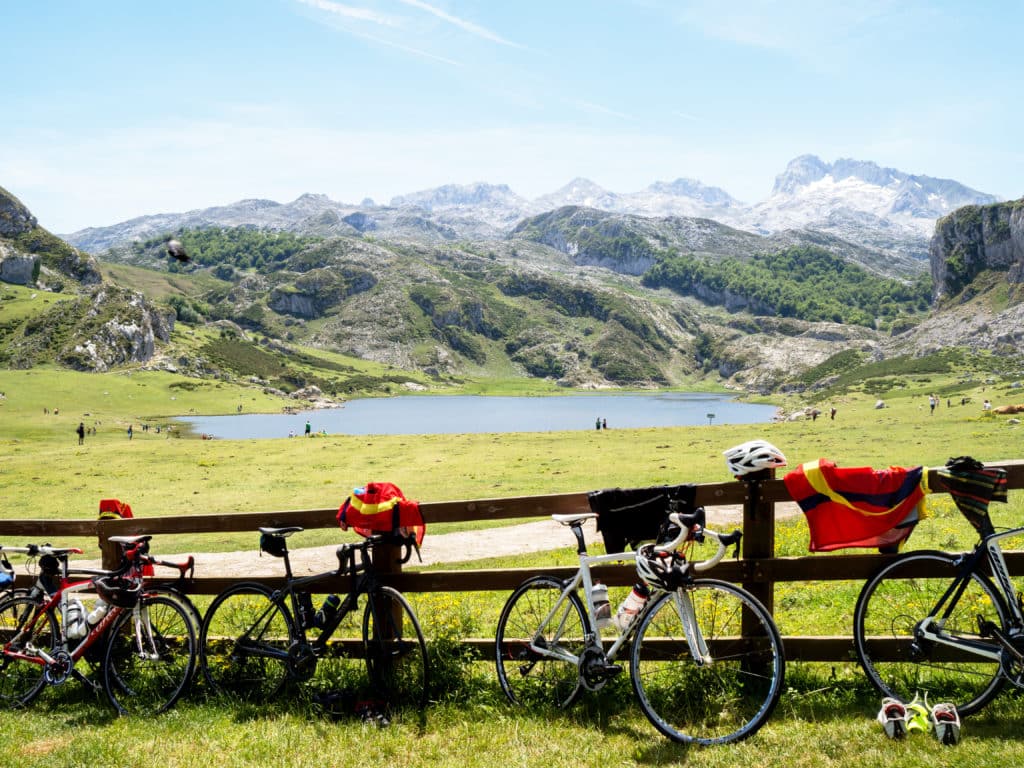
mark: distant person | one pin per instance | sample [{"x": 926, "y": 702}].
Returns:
[
  {"x": 604, "y": 423},
  {"x": 308, "y": 429},
  {"x": 832, "y": 413},
  {"x": 130, "y": 432},
  {"x": 598, "y": 425},
  {"x": 931, "y": 404},
  {"x": 81, "y": 433},
  {"x": 986, "y": 406}
]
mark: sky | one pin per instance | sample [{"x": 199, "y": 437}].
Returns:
[{"x": 112, "y": 109}]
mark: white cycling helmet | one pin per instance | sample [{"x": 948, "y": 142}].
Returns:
[
  {"x": 753, "y": 456},
  {"x": 659, "y": 569}
]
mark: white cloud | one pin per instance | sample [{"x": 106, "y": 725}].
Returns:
[
  {"x": 351, "y": 12},
  {"x": 466, "y": 26}
]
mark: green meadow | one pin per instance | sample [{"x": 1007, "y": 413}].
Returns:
[{"x": 825, "y": 717}]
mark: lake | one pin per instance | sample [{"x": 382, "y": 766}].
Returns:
[{"x": 414, "y": 415}]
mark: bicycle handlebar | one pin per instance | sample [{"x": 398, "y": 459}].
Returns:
[
  {"x": 35, "y": 550},
  {"x": 692, "y": 527}
]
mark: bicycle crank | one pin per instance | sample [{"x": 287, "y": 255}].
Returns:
[
  {"x": 301, "y": 661},
  {"x": 58, "y": 669},
  {"x": 595, "y": 669}
]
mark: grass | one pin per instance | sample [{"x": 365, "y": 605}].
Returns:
[{"x": 825, "y": 717}]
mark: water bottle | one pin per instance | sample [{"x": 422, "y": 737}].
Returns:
[
  {"x": 98, "y": 611},
  {"x": 327, "y": 610},
  {"x": 631, "y": 606},
  {"x": 602, "y": 608},
  {"x": 75, "y": 627}
]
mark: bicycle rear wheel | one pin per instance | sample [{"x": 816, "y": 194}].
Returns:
[
  {"x": 396, "y": 653},
  {"x": 244, "y": 643},
  {"x": 890, "y": 608},
  {"x": 527, "y": 677},
  {"x": 22, "y": 681},
  {"x": 724, "y": 697},
  {"x": 150, "y": 656}
]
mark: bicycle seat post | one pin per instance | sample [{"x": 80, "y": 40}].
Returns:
[{"x": 577, "y": 531}]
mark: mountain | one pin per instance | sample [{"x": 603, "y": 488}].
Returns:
[
  {"x": 90, "y": 324},
  {"x": 882, "y": 209},
  {"x": 861, "y": 202}
]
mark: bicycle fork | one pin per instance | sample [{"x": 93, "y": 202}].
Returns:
[
  {"x": 146, "y": 647},
  {"x": 683, "y": 602}
]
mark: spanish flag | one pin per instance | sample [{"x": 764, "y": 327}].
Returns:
[{"x": 850, "y": 507}]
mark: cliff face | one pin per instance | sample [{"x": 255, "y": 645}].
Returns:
[{"x": 974, "y": 239}]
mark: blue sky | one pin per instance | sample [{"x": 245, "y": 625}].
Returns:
[{"x": 113, "y": 109}]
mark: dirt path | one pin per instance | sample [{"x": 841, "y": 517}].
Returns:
[{"x": 538, "y": 536}]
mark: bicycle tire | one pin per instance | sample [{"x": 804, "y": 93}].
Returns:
[
  {"x": 719, "y": 701},
  {"x": 397, "y": 664},
  {"x": 527, "y": 678},
  {"x": 890, "y": 606},
  {"x": 150, "y": 656},
  {"x": 173, "y": 593},
  {"x": 242, "y": 623},
  {"x": 22, "y": 681}
]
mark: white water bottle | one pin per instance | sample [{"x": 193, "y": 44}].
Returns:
[
  {"x": 74, "y": 619},
  {"x": 631, "y": 606},
  {"x": 602, "y": 608},
  {"x": 99, "y": 610}
]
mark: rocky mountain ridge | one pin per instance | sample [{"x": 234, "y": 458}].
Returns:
[
  {"x": 99, "y": 327},
  {"x": 859, "y": 201}
]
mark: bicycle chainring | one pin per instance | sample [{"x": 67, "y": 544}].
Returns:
[
  {"x": 57, "y": 671},
  {"x": 595, "y": 669},
  {"x": 301, "y": 661},
  {"x": 1012, "y": 660}
]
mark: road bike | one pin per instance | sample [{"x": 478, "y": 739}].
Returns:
[
  {"x": 705, "y": 657},
  {"x": 255, "y": 640},
  {"x": 938, "y": 624},
  {"x": 143, "y": 641}
]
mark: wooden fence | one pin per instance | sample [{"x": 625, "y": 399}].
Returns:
[{"x": 758, "y": 569}]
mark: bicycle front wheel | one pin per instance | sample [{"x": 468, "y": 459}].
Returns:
[
  {"x": 150, "y": 656},
  {"x": 711, "y": 678},
  {"x": 244, "y": 643},
  {"x": 22, "y": 681},
  {"x": 396, "y": 653},
  {"x": 901, "y": 664},
  {"x": 530, "y": 624}
]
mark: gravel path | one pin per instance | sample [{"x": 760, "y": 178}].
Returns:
[{"x": 538, "y": 536}]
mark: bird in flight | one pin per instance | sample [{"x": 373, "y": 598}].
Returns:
[{"x": 177, "y": 251}]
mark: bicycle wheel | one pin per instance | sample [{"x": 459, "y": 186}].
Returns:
[
  {"x": 723, "y": 697},
  {"x": 396, "y": 653},
  {"x": 889, "y": 609},
  {"x": 22, "y": 681},
  {"x": 244, "y": 643},
  {"x": 150, "y": 656},
  {"x": 173, "y": 593},
  {"x": 527, "y": 677}
]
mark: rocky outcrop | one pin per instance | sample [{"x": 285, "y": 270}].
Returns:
[
  {"x": 16, "y": 267},
  {"x": 974, "y": 239},
  {"x": 15, "y": 218}
]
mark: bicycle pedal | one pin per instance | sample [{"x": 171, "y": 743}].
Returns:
[{"x": 612, "y": 669}]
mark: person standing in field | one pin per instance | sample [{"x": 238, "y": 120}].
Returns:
[{"x": 81, "y": 433}]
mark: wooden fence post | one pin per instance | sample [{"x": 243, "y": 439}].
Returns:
[{"x": 759, "y": 535}]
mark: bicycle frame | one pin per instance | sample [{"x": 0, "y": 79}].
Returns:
[
  {"x": 363, "y": 580},
  {"x": 583, "y": 577},
  {"x": 681, "y": 599},
  {"x": 931, "y": 628},
  {"x": 42, "y": 656}
]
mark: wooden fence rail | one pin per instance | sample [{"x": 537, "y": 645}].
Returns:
[{"x": 758, "y": 569}]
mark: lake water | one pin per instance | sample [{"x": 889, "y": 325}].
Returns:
[{"x": 413, "y": 415}]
